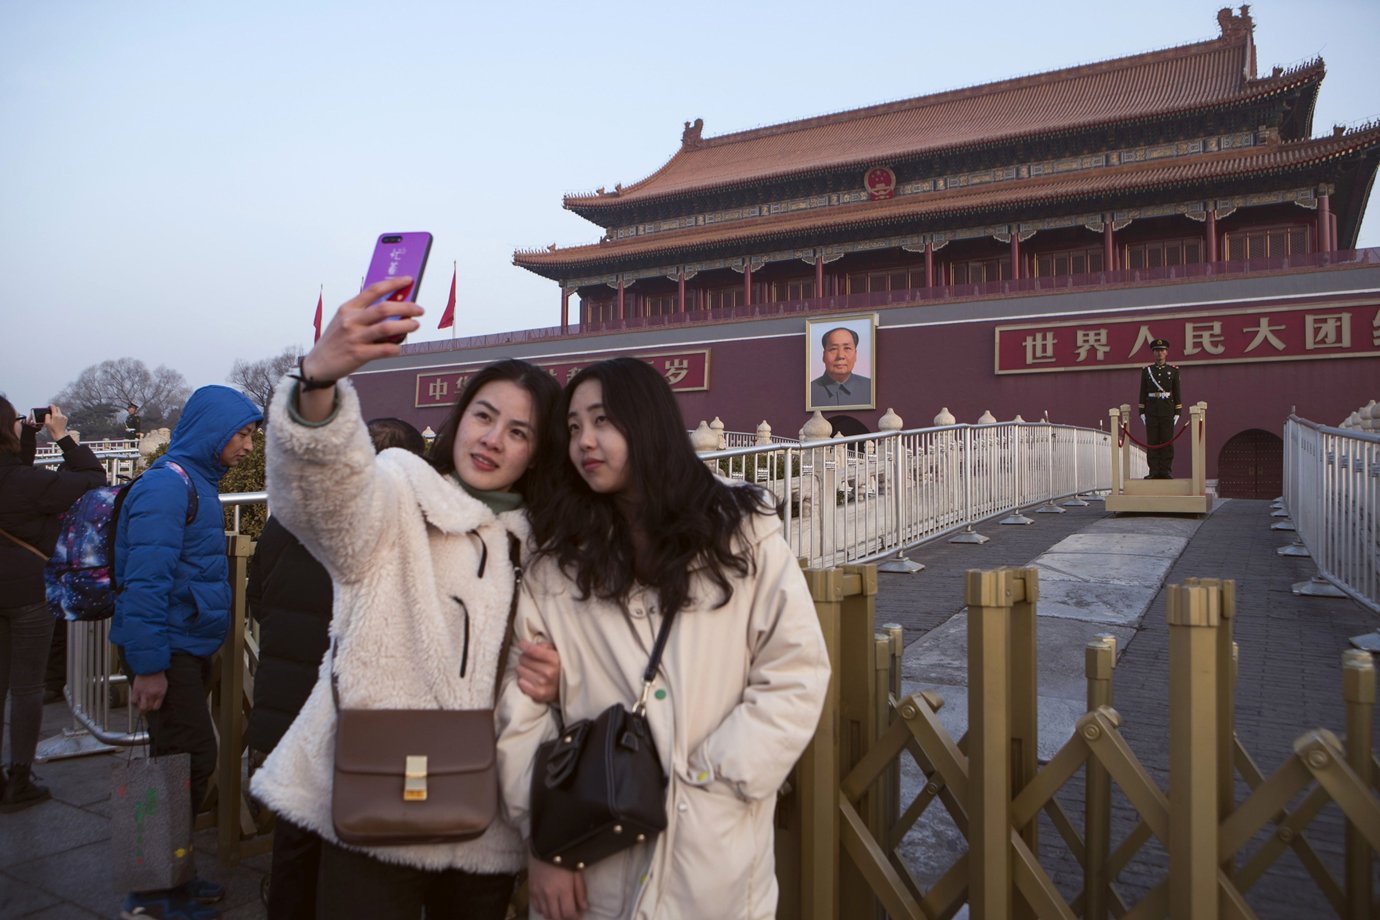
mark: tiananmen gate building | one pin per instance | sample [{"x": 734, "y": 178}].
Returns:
[{"x": 1011, "y": 247}]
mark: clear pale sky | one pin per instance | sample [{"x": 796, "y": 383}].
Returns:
[{"x": 178, "y": 180}]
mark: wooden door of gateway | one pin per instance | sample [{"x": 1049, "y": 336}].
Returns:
[{"x": 1251, "y": 465}]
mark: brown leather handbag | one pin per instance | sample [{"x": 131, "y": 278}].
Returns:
[
  {"x": 413, "y": 775},
  {"x": 405, "y": 776}
]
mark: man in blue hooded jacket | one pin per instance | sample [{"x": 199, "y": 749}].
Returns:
[{"x": 172, "y": 611}]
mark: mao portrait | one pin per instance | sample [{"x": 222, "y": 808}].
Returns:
[{"x": 839, "y": 363}]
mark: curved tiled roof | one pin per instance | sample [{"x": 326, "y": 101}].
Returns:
[
  {"x": 1124, "y": 90},
  {"x": 1095, "y": 185}
]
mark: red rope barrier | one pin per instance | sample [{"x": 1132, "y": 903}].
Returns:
[{"x": 1126, "y": 433}]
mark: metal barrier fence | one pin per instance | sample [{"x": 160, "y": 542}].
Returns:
[
  {"x": 841, "y": 822},
  {"x": 1332, "y": 492},
  {"x": 861, "y": 498},
  {"x": 119, "y": 461}
]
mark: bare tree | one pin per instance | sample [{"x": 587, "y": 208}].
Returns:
[
  {"x": 96, "y": 400},
  {"x": 259, "y": 378}
]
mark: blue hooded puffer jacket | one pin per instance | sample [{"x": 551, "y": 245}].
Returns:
[{"x": 173, "y": 576}]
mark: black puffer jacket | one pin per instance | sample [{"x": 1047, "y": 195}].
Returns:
[
  {"x": 32, "y": 501},
  {"x": 290, "y": 595}
]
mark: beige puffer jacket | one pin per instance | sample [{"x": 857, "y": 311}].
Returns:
[{"x": 737, "y": 698}]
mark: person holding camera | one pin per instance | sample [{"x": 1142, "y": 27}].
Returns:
[{"x": 32, "y": 502}]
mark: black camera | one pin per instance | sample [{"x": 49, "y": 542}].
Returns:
[{"x": 40, "y": 415}]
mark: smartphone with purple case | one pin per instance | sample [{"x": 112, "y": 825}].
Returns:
[{"x": 398, "y": 254}]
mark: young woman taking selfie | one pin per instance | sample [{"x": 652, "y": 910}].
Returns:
[{"x": 419, "y": 558}]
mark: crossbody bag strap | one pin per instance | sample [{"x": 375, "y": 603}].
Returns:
[
  {"x": 649, "y": 675},
  {"x": 29, "y": 546}
]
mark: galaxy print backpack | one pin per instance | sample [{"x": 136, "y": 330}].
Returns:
[{"x": 80, "y": 577}]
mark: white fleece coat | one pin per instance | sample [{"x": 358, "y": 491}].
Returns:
[
  {"x": 737, "y": 697},
  {"x": 404, "y": 546}
]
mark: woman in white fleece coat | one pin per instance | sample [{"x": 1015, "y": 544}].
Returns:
[
  {"x": 639, "y": 530},
  {"x": 418, "y": 555}
]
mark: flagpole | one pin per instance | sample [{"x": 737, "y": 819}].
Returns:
[{"x": 454, "y": 273}]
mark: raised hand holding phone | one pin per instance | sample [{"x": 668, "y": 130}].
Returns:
[
  {"x": 56, "y": 423},
  {"x": 367, "y": 327}
]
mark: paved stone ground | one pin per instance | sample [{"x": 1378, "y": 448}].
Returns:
[
  {"x": 1289, "y": 676},
  {"x": 923, "y": 601}
]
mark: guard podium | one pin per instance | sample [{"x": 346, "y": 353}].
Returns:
[{"x": 1161, "y": 496}]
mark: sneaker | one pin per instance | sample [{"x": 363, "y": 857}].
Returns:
[
  {"x": 203, "y": 891},
  {"x": 164, "y": 905}
]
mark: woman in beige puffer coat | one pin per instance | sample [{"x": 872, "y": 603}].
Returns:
[{"x": 640, "y": 529}]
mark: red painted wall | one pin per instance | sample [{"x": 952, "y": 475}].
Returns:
[{"x": 921, "y": 369}]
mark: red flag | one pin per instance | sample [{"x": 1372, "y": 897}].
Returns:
[
  {"x": 448, "y": 317},
  {"x": 317, "y": 321}
]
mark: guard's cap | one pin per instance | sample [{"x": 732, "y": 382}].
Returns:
[{"x": 1159, "y": 343}]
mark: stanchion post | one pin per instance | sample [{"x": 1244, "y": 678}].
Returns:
[
  {"x": 1226, "y": 707},
  {"x": 1197, "y": 416},
  {"x": 1099, "y": 660},
  {"x": 989, "y": 597},
  {"x": 897, "y": 648},
  {"x": 1193, "y": 615},
  {"x": 1126, "y": 443},
  {"x": 1114, "y": 433},
  {"x": 808, "y": 873},
  {"x": 1024, "y": 703},
  {"x": 1358, "y": 689},
  {"x": 882, "y": 813},
  {"x": 229, "y": 784},
  {"x": 858, "y": 724}
]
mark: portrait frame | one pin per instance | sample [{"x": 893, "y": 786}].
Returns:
[{"x": 821, "y": 391}]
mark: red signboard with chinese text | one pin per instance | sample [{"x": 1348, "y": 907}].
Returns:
[
  {"x": 685, "y": 371},
  {"x": 1225, "y": 337}
]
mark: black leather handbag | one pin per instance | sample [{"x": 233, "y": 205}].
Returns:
[{"x": 600, "y": 788}]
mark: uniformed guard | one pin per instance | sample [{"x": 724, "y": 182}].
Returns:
[{"x": 1160, "y": 407}]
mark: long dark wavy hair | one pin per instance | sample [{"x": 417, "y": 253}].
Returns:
[
  {"x": 545, "y": 393},
  {"x": 688, "y": 516},
  {"x": 9, "y": 441}
]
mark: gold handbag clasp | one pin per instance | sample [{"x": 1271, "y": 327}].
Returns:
[{"x": 414, "y": 778}]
